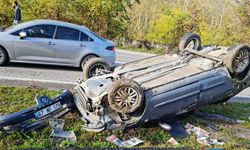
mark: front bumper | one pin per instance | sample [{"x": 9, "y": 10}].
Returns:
[{"x": 26, "y": 120}]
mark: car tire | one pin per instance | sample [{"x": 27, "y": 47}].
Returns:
[
  {"x": 121, "y": 94},
  {"x": 92, "y": 66},
  {"x": 87, "y": 58},
  {"x": 190, "y": 40},
  {"x": 237, "y": 61},
  {"x": 4, "y": 58}
]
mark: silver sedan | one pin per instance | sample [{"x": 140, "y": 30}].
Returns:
[{"x": 53, "y": 43}]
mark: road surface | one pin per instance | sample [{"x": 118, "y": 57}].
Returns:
[
  {"x": 53, "y": 77},
  {"x": 56, "y": 77}
]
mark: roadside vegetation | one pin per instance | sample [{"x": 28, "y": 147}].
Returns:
[
  {"x": 145, "y": 24},
  {"x": 14, "y": 99}
]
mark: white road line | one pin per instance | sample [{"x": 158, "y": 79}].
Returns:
[
  {"x": 120, "y": 62},
  {"x": 35, "y": 80}
]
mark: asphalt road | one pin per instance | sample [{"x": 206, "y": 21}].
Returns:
[
  {"x": 53, "y": 77},
  {"x": 56, "y": 77}
]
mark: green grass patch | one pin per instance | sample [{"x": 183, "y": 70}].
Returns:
[{"x": 14, "y": 99}]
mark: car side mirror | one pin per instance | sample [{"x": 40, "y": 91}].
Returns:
[{"x": 22, "y": 35}]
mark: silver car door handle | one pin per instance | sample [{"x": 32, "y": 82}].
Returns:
[
  {"x": 49, "y": 43},
  {"x": 82, "y": 45}
]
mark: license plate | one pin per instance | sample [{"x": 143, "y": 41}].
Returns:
[{"x": 48, "y": 110}]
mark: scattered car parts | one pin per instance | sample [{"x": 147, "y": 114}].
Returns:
[
  {"x": 38, "y": 116},
  {"x": 129, "y": 143},
  {"x": 57, "y": 125},
  {"x": 202, "y": 136}
]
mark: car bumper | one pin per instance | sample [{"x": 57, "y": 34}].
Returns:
[{"x": 26, "y": 120}]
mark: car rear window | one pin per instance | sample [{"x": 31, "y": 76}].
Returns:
[
  {"x": 64, "y": 33},
  {"x": 99, "y": 37},
  {"x": 85, "y": 38}
]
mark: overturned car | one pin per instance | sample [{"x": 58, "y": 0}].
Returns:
[
  {"x": 156, "y": 88},
  {"x": 165, "y": 86}
]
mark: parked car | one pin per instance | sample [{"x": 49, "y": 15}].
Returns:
[
  {"x": 54, "y": 43},
  {"x": 152, "y": 89}
]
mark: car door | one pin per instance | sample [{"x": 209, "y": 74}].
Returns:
[
  {"x": 67, "y": 45},
  {"x": 37, "y": 46}
]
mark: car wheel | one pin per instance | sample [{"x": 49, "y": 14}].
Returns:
[
  {"x": 87, "y": 58},
  {"x": 190, "y": 41},
  {"x": 4, "y": 58},
  {"x": 238, "y": 61},
  {"x": 94, "y": 67},
  {"x": 125, "y": 96}
]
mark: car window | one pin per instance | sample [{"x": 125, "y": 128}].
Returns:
[
  {"x": 99, "y": 37},
  {"x": 40, "y": 31},
  {"x": 16, "y": 33},
  {"x": 65, "y": 33},
  {"x": 85, "y": 38}
]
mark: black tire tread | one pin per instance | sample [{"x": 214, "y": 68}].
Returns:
[
  {"x": 186, "y": 39},
  {"x": 231, "y": 55},
  {"x": 5, "y": 56},
  {"x": 91, "y": 62}
]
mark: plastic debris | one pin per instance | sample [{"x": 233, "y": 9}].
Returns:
[
  {"x": 57, "y": 126},
  {"x": 113, "y": 139},
  {"x": 240, "y": 121},
  {"x": 174, "y": 128},
  {"x": 129, "y": 143},
  {"x": 172, "y": 141},
  {"x": 188, "y": 128},
  {"x": 202, "y": 136},
  {"x": 165, "y": 126},
  {"x": 132, "y": 142}
]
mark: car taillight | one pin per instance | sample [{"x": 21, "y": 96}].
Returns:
[{"x": 111, "y": 48}]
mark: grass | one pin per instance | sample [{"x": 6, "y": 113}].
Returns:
[{"x": 14, "y": 99}]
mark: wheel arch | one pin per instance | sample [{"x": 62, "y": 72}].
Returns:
[
  {"x": 1, "y": 46},
  {"x": 83, "y": 57}
]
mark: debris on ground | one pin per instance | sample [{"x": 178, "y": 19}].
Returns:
[
  {"x": 177, "y": 130},
  {"x": 174, "y": 128},
  {"x": 57, "y": 126},
  {"x": 172, "y": 141},
  {"x": 202, "y": 136},
  {"x": 218, "y": 117},
  {"x": 113, "y": 139},
  {"x": 132, "y": 142},
  {"x": 129, "y": 143},
  {"x": 165, "y": 126},
  {"x": 188, "y": 128}
]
